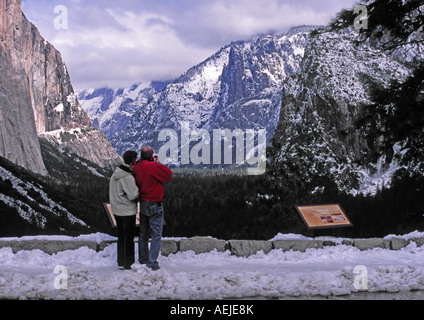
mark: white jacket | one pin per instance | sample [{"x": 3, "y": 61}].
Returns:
[{"x": 123, "y": 193}]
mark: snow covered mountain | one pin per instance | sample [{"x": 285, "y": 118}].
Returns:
[
  {"x": 320, "y": 106},
  {"x": 29, "y": 205},
  {"x": 306, "y": 90},
  {"x": 34, "y": 196},
  {"x": 237, "y": 87},
  {"x": 110, "y": 110}
]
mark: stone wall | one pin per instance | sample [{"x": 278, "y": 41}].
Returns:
[
  {"x": 241, "y": 248},
  {"x": 245, "y": 248}
]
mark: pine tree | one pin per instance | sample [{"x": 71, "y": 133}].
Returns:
[
  {"x": 392, "y": 23},
  {"x": 396, "y": 115}
]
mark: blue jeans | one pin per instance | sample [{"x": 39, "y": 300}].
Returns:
[{"x": 151, "y": 219}]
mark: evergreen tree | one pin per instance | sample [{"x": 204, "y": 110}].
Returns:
[
  {"x": 392, "y": 23},
  {"x": 395, "y": 118}
]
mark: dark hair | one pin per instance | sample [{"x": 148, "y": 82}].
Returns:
[
  {"x": 129, "y": 156},
  {"x": 146, "y": 153}
]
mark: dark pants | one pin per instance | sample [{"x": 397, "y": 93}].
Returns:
[{"x": 126, "y": 232}]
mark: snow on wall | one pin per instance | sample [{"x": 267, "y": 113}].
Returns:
[{"x": 330, "y": 271}]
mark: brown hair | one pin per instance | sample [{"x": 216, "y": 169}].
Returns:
[{"x": 129, "y": 156}]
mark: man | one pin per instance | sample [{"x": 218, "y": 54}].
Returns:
[
  {"x": 123, "y": 195},
  {"x": 151, "y": 177}
]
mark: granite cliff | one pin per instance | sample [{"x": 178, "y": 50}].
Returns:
[
  {"x": 18, "y": 132},
  {"x": 37, "y": 98}
]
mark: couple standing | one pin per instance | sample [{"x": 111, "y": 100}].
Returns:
[{"x": 143, "y": 180}]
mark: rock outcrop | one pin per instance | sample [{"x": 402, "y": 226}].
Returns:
[
  {"x": 37, "y": 97},
  {"x": 18, "y": 132},
  {"x": 321, "y": 103}
]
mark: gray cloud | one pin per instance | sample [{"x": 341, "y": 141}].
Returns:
[{"x": 117, "y": 43}]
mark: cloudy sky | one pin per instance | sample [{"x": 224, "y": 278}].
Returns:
[{"x": 118, "y": 43}]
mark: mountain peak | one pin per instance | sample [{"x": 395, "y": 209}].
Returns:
[
  {"x": 304, "y": 28},
  {"x": 311, "y": 87},
  {"x": 243, "y": 78}
]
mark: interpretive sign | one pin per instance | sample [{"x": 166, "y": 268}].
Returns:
[{"x": 323, "y": 216}]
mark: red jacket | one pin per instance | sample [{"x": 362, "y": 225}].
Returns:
[{"x": 150, "y": 177}]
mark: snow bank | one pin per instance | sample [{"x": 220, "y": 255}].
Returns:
[
  {"x": 323, "y": 272},
  {"x": 95, "y": 237},
  {"x": 290, "y": 236},
  {"x": 409, "y": 236}
]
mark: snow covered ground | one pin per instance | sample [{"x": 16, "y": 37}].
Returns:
[{"x": 338, "y": 272}]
